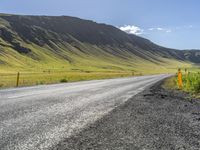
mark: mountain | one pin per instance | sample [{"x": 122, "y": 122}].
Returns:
[{"x": 36, "y": 43}]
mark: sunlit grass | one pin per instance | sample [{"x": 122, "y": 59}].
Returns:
[
  {"x": 59, "y": 72},
  {"x": 27, "y": 79},
  {"x": 191, "y": 81},
  {"x": 67, "y": 64}
]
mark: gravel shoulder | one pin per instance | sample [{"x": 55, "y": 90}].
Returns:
[{"x": 156, "y": 119}]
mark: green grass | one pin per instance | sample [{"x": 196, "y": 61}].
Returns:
[
  {"x": 71, "y": 60},
  {"x": 45, "y": 65},
  {"x": 55, "y": 70},
  {"x": 191, "y": 82},
  {"x": 31, "y": 78}
]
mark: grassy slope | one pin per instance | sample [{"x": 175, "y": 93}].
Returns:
[
  {"x": 52, "y": 69},
  {"x": 64, "y": 60},
  {"x": 98, "y": 61}
]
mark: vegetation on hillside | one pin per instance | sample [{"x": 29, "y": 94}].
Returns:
[{"x": 62, "y": 49}]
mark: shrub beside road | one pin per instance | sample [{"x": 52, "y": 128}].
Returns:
[{"x": 191, "y": 83}]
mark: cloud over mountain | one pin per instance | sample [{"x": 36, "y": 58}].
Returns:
[{"x": 131, "y": 29}]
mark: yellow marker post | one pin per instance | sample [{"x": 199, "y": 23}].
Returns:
[{"x": 180, "y": 81}]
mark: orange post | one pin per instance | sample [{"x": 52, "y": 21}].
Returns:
[{"x": 180, "y": 81}]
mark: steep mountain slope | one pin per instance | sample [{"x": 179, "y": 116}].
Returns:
[{"x": 68, "y": 43}]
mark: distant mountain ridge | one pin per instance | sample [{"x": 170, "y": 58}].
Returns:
[{"x": 72, "y": 40}]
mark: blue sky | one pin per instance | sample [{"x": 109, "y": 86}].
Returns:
[{"x": 170, "y": 23}]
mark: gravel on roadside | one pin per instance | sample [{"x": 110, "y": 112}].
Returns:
[{"x": 156, "y": 119}]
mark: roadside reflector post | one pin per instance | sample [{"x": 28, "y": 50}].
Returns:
[
  {"x": 17, "y": 84},
  {"x": 180, "y": 80}
]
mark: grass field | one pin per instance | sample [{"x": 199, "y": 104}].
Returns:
[
  {"x": 66, "y": 63},
  {"x": 191, "y": 82},
  {"x": 33, "y": 78},
  {"x": 9, "y": 79},
  {"x": 49, "y": 54},
  {"x": 53, "y": 69},
  {"x": 58, "y": 72},
  {"x": 45, "y": 65}
]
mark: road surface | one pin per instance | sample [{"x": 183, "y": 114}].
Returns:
[{"x": 40, "y": 117}]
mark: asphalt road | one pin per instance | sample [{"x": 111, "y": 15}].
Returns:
[
  {"x": 40, "y": 117},
  {"x": 155, "y": 119}
]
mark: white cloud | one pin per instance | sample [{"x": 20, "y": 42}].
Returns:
[
  {"x": 132, "y": 29},
  {"x": 160, "y": 29},
  {"x": 169, "y": 30}
]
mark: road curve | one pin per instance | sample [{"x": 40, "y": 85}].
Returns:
[{"x": 39, "y": 117}]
